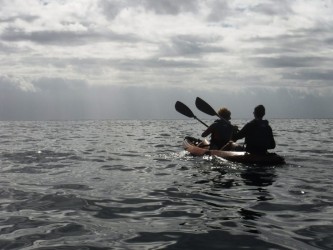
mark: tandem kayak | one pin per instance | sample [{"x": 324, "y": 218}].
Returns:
[{"x": 198, "y": 147}]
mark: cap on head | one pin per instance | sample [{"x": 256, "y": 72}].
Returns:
[
  {"x": 224, "y": 113},
  {"x": 259, "y": 111}
]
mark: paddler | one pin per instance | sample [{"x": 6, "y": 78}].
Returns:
[
  {"x": 221, "y": 130},
  {"x": 257, "y": 133}
]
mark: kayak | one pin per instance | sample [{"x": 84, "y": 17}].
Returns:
[{"x": 199, "y": 147}]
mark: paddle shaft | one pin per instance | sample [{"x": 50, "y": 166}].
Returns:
[{"x": 200, "y": 121}]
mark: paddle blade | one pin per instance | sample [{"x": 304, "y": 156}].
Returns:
[
  {"x": 183, "y": 109},
  {"x": 204, "y": 107}
]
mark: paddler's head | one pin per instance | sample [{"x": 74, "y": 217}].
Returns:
[
  {"x": 224, "y": 113},
  {"x": 259, "y": 111}
]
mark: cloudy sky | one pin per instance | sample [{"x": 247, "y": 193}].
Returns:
[{"x": 133, "y": 59}]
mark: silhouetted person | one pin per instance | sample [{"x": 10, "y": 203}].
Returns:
[
  {"x": 221, "y": 130},
  {"x": 258, "y": 134}
]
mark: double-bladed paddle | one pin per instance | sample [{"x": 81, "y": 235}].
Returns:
[
  {"x": 206, "y": 108},
  {"x": 184, "y": 110}
]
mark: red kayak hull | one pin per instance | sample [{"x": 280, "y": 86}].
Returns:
[{"x": 198, "y": 148}]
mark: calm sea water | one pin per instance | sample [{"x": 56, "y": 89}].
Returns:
[{"x": 130, "y": 185}]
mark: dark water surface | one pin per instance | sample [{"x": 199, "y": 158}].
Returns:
[{"x": 130, "y": 185}]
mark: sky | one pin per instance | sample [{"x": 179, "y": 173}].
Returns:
[{"x": 133, "y": 59}]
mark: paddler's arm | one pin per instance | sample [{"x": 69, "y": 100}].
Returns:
[
  {"x": 242, "y": 133},
  {"x": 207, "y": 132},
  {"x": 235, "y": 130},
  {"x": 272, "y": 144}
]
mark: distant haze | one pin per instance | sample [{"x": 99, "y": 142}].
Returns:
[{"x": 127, "y": 59}]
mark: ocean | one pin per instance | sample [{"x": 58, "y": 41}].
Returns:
[{"x": 128, "y": 184}]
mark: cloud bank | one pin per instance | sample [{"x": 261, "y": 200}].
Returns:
[{"x": 120, "y": 59}]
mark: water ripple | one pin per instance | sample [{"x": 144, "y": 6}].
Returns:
[{"x": 130, "y": 185}]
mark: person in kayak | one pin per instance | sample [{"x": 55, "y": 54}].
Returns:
[
  {"x": 258, "y": 133},
  {"x": 221, "y": 130}
]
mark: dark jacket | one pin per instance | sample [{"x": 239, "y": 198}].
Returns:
[
  {"x": 221, "y": 132},
  {"x": 258, "y": 136}
]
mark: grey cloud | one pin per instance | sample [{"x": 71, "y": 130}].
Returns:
[
  {"x": 65, "y": 38},
  {"x": 325, "y": 76},
  {"x": 139, "y": 65},
  {"x": 190, "y": 46},
  {"x": 274, "y": 49},
  {"x": 171, "y": 7},
  {"x": 329, "y": 41},
  {"x": 58, "y": 85},
  {"x": 219, "y": 8},
  {"x": 289, "y": 61},
  {"x": 10, "y": 49},
  {"x": 281, "y": 45},
  {"x": 273, "y": 8},
  {"x": 112, "y": 8},
  {"x": 301, "y": 41},
  {"x": 26, "y": 18},
  {"x": 162, "y": 7},
  {"x": 133, "y": 65},
  {"x": 279, "y": 39},
  {"x": 219, "y": 11}
]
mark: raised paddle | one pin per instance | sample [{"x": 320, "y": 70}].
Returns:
[
  {"x": 206, "y": 108},
  {"x": 184, "y": 110}
]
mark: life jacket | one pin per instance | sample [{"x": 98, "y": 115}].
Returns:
[
  {"x": 222, "y": 134},
  {"x": 259, "y": 137}
]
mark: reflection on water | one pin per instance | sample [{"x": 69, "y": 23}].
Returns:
[{"x": 129, "y": 185}]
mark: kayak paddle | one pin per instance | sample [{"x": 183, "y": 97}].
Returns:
[
  {"x": 206, "y": 108},
  {"x": 184, "y": 110}
]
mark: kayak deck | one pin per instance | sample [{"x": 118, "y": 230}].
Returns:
[{"x": 198, "y": 148}]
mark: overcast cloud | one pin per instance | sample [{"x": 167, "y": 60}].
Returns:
[{"x": 129, "y": 59}]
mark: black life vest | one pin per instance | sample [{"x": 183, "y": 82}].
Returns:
[
  {"x": 259, "y": 137},
  {"x": 222, "y": 133}
]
